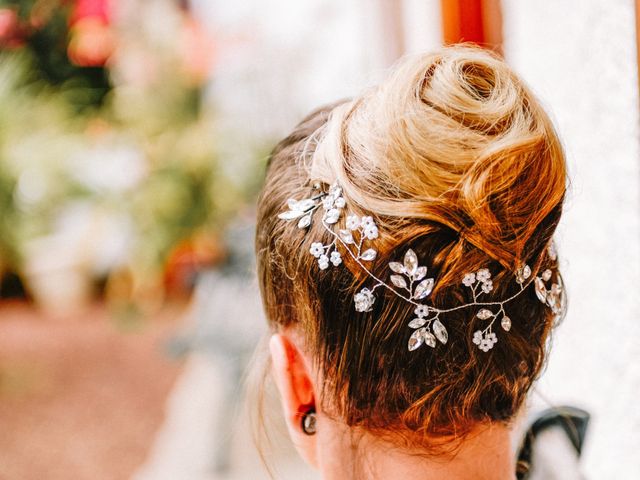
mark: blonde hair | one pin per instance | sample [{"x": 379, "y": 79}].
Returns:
[{"x": 454, "y": 157}]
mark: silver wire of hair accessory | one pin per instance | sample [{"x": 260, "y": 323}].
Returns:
[{"x": 409, "y": 279}]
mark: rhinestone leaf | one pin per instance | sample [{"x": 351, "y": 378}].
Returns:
[
  {"x": 417, "y": 339},
  {"x": 541, "y": 291},
  {"x": 398, "y": 281},
  {"x": 429, "y": 339},
  {"x": 397, "y": 267},
  {"x": 553, "y": 253},
  {"x": 292, "y": 203},
  {"x": 332, "y": 216},
  {"x": 546, "y": 275},
  {"x": 506, "y": 323},
  {"x": 304, "y": 221},
  {"x": 552, "y": 299},
  {"x": 305, "y": 205},
  {"x": 421, "y": 272},
  {"x": 484, "y": 314},
  {"x": 558, "y": 305},
  {"x": 346, "y": 236},
  {"x": 423, "y": 289},
  {"x": 417, "y": 322},
  {"x": 291, "y": 214},
  {"x": 523, "y": 273},
  {"x": 410, "y": 262},
  {"x": 440, "y": 331},
  {"x": 369, "y": 255}
]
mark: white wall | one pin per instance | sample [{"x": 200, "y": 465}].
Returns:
[
  {"x": 280, "y": 59},
  {"x": 580, "y": 58}
]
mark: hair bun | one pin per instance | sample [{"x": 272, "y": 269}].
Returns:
[{"x": 453, "y": 137}]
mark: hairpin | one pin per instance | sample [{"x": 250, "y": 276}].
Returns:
[{"x": 408, "y": 279}]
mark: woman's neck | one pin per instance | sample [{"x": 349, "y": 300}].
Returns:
[{"x": 484, "y": 455}]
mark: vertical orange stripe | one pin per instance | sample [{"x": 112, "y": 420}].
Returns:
[
  {"x": 450, "y": 21},
  {"x": 476, "y": 21},
  {"x": 471, "y": 23},
  {"x": 492, "y": 21},
  {"x": 638, "y": 40}
]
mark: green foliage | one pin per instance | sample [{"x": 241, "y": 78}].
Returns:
[
  {"x": 60, "y": 124},
  {"x": 37, "y": 134},
  {"x": 47, "y": 43}
]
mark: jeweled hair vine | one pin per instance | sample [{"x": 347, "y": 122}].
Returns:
[{"x": 408, "y": 280}]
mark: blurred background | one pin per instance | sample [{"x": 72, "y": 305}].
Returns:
[{"x": 133, "y": 140}]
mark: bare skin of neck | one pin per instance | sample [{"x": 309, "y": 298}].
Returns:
[{"x": 484, "y": 455}]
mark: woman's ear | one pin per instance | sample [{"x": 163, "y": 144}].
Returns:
[{"x": 292, "y": 376}]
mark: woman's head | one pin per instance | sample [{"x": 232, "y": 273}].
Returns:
[{"x": 454, "y": 158}]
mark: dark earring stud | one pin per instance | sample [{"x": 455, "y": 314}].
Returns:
[{"x": 309, "y": 422}]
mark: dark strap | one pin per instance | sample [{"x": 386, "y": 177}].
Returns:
[{"x": 572, "y": 420}]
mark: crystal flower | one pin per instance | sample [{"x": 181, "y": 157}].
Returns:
[
  {"x": 353, "y": 222},
  {"x": 487, "y": 286},
  {"x": 371, "y": 232},
  {"x": 364, "y": 300},
  {"x": 485, "y": 341},
  {"x": 421, "y": 311},
  {"x": 483, "y": 275},
  {"x": 336, "y": 258},
  {"x": 469, "y": 279},
  {"x": 316, "y": 249},
  {"x": 340, "y": 202},
  {"x": 486, "y": 345},
  {"x": 323, "y": 262},
  {"x": 367, "y": 222}
]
